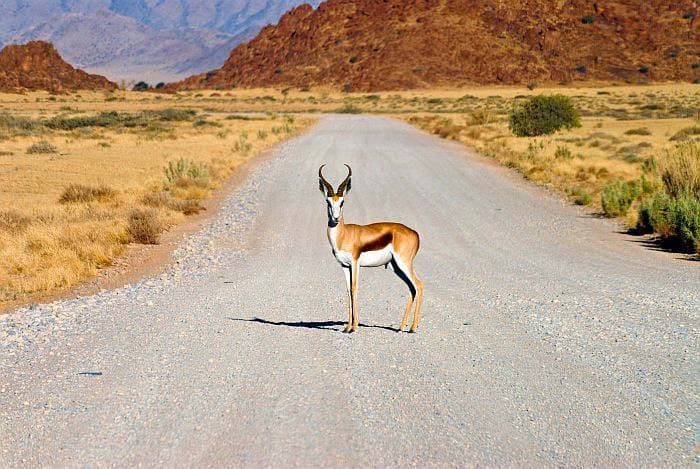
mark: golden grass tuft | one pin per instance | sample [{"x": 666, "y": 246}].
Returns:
[
  {"x": 144, "y": 226},
  {"x": 13, "y": 222},
  {"x": 680, "y": 170},
  {"x": 79, "y": 193}
]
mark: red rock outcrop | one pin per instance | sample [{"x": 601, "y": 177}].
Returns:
[
  {"x": 372, "y": 45},
  {"x": 37, "y": 66}
]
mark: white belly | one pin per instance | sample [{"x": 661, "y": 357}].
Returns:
[{"x": 376, "y": 258}]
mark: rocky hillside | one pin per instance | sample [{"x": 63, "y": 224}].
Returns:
[
  {"x": 163, "y": 40},
  {"x": 369, "y": 45},
  {"x": 37, "y": 66}
]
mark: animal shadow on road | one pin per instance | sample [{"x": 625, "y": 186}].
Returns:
[{"x": 327, "y": 325}]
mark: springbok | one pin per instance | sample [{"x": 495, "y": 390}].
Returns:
[{"x": 379, "y": 244}]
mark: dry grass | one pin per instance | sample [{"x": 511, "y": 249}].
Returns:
[
  {"x": 74, "y": 212},
  {"x": 144, "y": 226},
  {"x": 625, "y": 133},
  {"x": 680, "y": 170}
]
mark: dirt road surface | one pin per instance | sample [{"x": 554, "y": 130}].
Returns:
[{"x": 548, "y": 338}]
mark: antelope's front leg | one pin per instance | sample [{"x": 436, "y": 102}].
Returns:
[
  {"x": 348, "y": 285},
  {"x": 353, "y": 294}
]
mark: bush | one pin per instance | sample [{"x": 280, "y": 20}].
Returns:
[
  {"x": 349, "y": 109},
  {"x": 78, "y": 193},
  {"x": 481, "y": 117},
  {"x": 685, "y": 133},
  {"x": 563, "y": 153},
  {"x": 140, "y": 86},
  {"x": 617, "y": 197},
  {"x": 171, "y": 114},
  {"x": 144, "y": 226},
  {"x": 638, "y": 131},
  {"x": 676, "y": 220},
  {"x": 41, "y": 147},
  {"x": 184, "y": 172},
  {"x": 680, "y": 170},
  {"x": 543, "y": 115}
]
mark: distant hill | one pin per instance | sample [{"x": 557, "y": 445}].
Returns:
[
  {"x": 163, "y": 40},
  {"x": 369, "y": 45},
  {"x": 37, "y": 66}
]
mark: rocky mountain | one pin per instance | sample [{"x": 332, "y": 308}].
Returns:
[
  {"x": 150, "y": 40},
  {"x": 38, "y": 66},
  {"x": 369, "y": 45}
]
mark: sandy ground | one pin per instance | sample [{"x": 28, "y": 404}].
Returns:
[{"x": 548, "y": 338}]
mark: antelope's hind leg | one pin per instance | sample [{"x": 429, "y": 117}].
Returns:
[
  {"x": 401, "y": 271},
  {"x": 419, "y": 300}
]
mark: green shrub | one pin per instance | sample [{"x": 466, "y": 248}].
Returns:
[
  {"x": 262, "y": 134},
  {"x": 184, "y": 172},
  {"x": 676, "y": 220},
  {"x": 543, "y": 115},
  {"x": 563, "y": 153},
  {"x": 618, "y": 196},
  {"x": 583, "y": 199},
  {"x": 684, "y": 217},
  {"x": 23, "y": 125},
  {"x": 141, "y": 86}
]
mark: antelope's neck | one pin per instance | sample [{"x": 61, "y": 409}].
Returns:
[{"x": 335, "y": 233}]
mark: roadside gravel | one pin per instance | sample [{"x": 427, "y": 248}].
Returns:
[{"x": 548, "y": 338}]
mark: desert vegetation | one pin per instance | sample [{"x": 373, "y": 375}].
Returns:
[
  {"x": 80, "y": 183},
  {"x": 84, "y": 175},
  {"x": 631, "y": 154}
]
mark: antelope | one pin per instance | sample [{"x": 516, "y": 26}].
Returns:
[{"x": 378, "y": 244}]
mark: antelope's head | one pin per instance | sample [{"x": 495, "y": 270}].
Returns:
[{"x": 334, "y": 199}]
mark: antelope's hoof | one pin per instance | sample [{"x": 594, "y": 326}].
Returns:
[
  {"x": 412, "y": 330},
  {"x": 347, "y": 329}
]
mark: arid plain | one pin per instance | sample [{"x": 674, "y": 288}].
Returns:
[{"x": 118, "y": 150}]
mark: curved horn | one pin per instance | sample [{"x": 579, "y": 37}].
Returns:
[
  {"x": 323, "y": 183},
  {"x": 345, "y": 185}
]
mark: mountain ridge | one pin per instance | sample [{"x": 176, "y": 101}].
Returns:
[
  {"x": 38, "y": 66},
  {"x": 365, "y": 45},
  {"x": 139, "y": 39}
]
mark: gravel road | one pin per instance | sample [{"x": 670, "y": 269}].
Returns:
[{"x": 547, "y": 338}]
